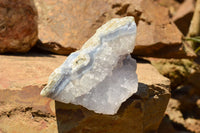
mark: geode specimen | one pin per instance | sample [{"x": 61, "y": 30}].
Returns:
[{"x": 101, "y": 75}]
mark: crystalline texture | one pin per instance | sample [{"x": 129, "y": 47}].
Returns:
[{"x": 101, "y": 75}]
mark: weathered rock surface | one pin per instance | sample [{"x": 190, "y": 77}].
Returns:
[
  {"x": 183, "y": 108},
  {"x": 21, "y": 106},
  {"x": 23, "y": 109},
  {"x": 29, "y": 69},
  {"x": 172, "y": 5},
  {"x": 173, "y": 110},
  {"x": 186, "y": 124},
  {"x": 177, "y": 70},
  {"x": 194, "y": 29},
  {"x": 18, "y": 25},
  {"x": 71, "y": 23}
]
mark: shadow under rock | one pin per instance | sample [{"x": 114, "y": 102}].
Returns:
[
  {"x": 44, "y": 50},
  {"x": 70, "y": 116},
  {"x": 187, "y": 97},
  {"x": 33, "y": 52},
  {"x": 140, "y": 59},
  {"x": 168, "y": 126},
  {"x": 30, "y": 54},
  {"x": 54, "y": 48},
  {"x": 141, "y": 93}
]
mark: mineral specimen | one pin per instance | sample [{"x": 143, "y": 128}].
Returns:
[{"x": 101, "y": 75}]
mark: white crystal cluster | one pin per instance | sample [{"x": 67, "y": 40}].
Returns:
[{"x": 100, "y": 76}]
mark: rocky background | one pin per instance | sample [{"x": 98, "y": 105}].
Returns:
[{"x": 36, "y": 37}]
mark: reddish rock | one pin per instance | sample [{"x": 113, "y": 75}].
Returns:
[
  {"x": 28, "y": 97},
  {"x": 16, "y": 72},
  {"x": 172, "y": 5},
  {"x": 23, "y": 77},
  {"x": 22, "y": 109},
  {"x": 71, "y": 23},
  {"x": 25, "y": 110},
  {"x": 183, "y": 16},
  {"x": 18, "y": 25}
]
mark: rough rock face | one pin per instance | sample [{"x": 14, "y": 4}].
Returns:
[
  {"x": 172, "y": 5},
  {"x": 21, "y": 106},
  {"x": 101, "y": 75},
  {"x": 177, "y": 70},
  {"x": 18, "y": 25},
  {"x": 23, "y": 109},
  {"x": 71, "y": 23},
  {"x": 32, "y": 69},
  {"x": 177, "y": 117},
  {"x": 183, "y": 110}
]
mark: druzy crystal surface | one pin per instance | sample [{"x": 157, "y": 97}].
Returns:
[{"x": 101, "y": 75}]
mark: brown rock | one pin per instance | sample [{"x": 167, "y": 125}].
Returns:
[
  {"x": 194, "y": 29},
  {"x": 179, "y": 71},
  {"x": 176, "y": 115},
  {"x": 18, "y": 25},
  {"x": 185, "y": 81},
  {"x": 141, "y": 113},
  {"x": 163, "y": 39},
  {"x": 172, "y": 5},
  {"x": 193, "y": 125},
  {"x": 23, "y": 109},
  {"x": 183, "y": 108},
  {"x": 173, "y": 111},
  {"x": 71, "y": 23},
  {"x": 183, "y": 16},
  {"x": 18, "y": 72},
  {"x": 26, "y": 111},
  {"x": 23, "y": 77},
  {"x": 24, "y": 119}
]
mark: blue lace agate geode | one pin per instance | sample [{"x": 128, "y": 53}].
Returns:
[{"x": 101, "y": 75}]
